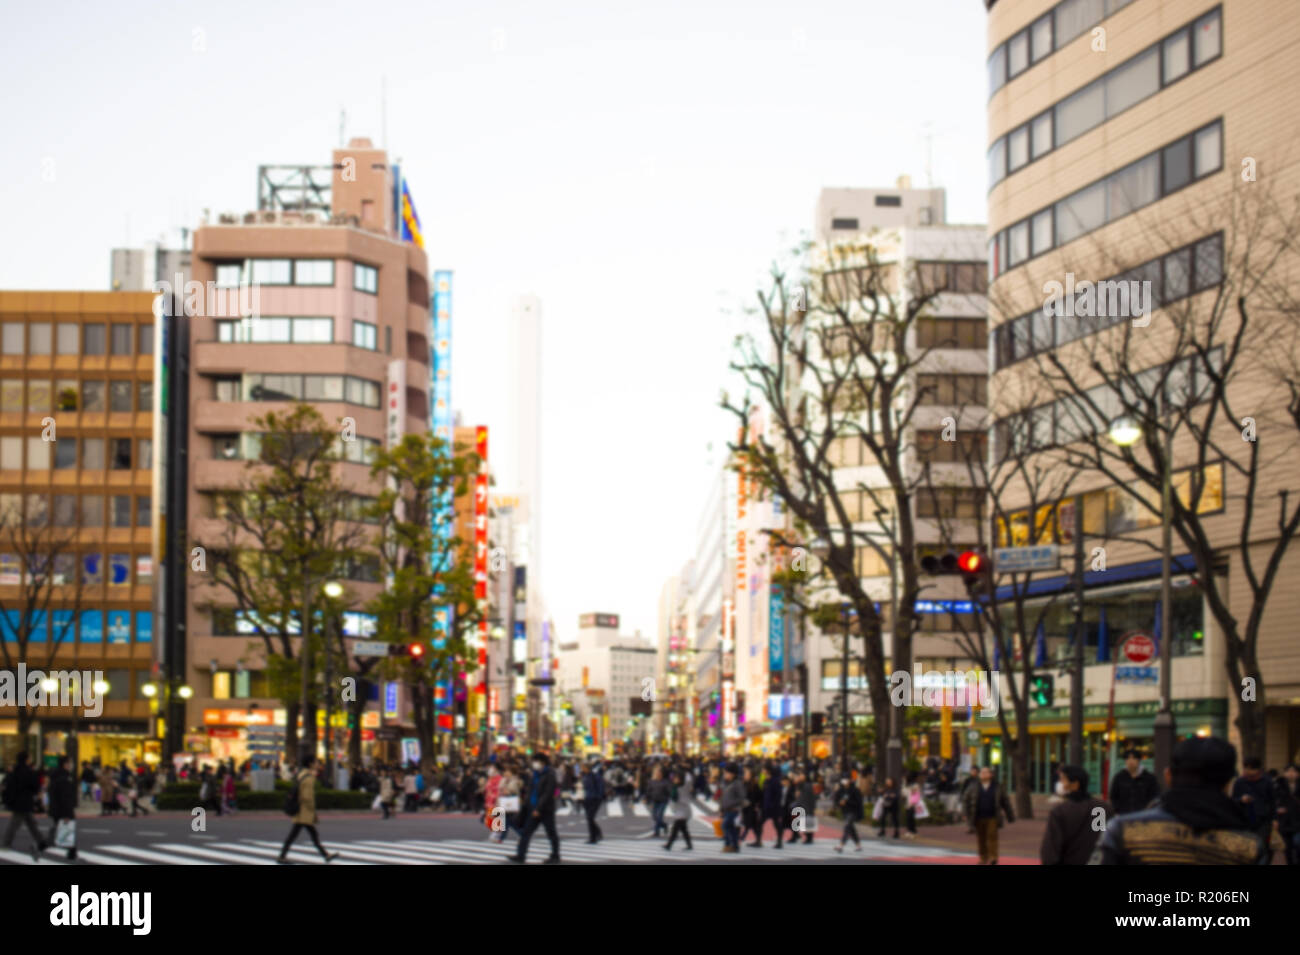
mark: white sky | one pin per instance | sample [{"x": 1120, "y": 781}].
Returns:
[{"x": 637, "y": 166}]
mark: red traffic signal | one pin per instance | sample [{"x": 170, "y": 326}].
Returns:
[
  {"x": 970, "y": 562},
  {"x": 416, "y": 650}
]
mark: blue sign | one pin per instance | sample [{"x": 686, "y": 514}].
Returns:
[
  {"x": 776, "y": 631},
  {"x": 945, "y": 606},
  {"x": 390, "y": 699},
  {"x": 1133, "y": 674},
  {"x": 92, "y": 626},
  {"x": 143, "y": 626},
  {"x": 119, "y": 626}
]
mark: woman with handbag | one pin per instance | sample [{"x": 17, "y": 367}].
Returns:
[
  {"x": 63, "y": 809},
  {"x": 508, "y": 799}
]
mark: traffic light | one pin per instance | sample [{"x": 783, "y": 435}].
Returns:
[
  {"x": 414, "y": 651},
  {"x": 1042, "y": 689},
  {"x": 975, "y": 568},
  {"x": 938, "y": 564}
]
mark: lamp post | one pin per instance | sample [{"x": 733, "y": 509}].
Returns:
[
  {"x": 334, "y": 591},
  {"x": 894, "y": 749},
  {"x": 1125, "y": 432}
]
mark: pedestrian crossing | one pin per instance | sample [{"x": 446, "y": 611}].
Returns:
[
  {"x": 468, "y": 852},
  {"x": 620, "y": 807}
]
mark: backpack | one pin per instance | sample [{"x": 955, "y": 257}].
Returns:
[{"x": 291, "y": 802}]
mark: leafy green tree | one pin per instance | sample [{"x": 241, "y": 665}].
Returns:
[{"x": 427, "y": 572}]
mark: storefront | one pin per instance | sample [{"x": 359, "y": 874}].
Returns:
[
  {"x": 1134, "y": 728},
  {"x": 108, "y": 742}
]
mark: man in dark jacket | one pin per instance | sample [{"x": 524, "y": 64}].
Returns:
[
  {"x": 1074, "y": 825},
  {"x": 772, "y": 807},
  {"x": 539, "y": 810},
  {"x": 849, "y": 800},
  {"x": 1288, "y": 812},
  {"x": 593, "y": 796},
  {"x": 1256, "y": 794},
  {"x": 1194, "y": 822},
  {"x": 21, "y": 787},
  {"x": 986, "y": 806},
  {"x": 805, "y": 808},
  {"x": 63, "y": 800},
  {"x": 1133, "y": 788}
]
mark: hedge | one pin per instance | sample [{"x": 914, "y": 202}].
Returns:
[{"x": 185, "y": 796}]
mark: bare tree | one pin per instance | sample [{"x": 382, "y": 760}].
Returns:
[
  {"x": 1204, "y": 383},
  {"x": 40, "y": 593}
]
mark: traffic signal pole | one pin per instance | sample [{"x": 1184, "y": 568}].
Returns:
[{"x": 1076, "y": 672}]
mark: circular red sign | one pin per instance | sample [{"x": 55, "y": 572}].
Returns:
[{"x": 1139, "y": 648}]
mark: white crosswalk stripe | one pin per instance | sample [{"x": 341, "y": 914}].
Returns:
[
  {"x": 639, "y": 809},
  {"x": 613, "y": 809},
  {"x": 477, "y": 852}
]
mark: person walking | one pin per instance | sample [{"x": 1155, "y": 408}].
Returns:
[
  {"x": 21, "y": 787},
  {"x": 888, "y": 802},
  {"x": 657, "y": 792},
  {"x": 387, "y": 793},
  {"x": 751, "y": 816},
  {"x": 87, "y": 780},
  {"x": 593, "y": 796},
  {"x": 63, "y": 803},
  {"x": 303, "y": 802},
  {"x": 1075, "y": 824},
  {"x": 773, "y": 808},
  {"x": 540, "y": 809},
  {"x": 1133, "y": 788},
  {"x": 679, "y": 811},
  {"x": 805, "y": 808},
  {"x": 133, "y": 795},
  {"x": 731, "y": 801},
  {"x": 986, "y": 806},
  {"x": 509, "y": 799},
  {"x": 1255, "y": 793},
  {"x": 849, "y": 800},
  {"x": 410, "y": 791},
  {"x": 108, "y": 792},
  {"x": 1287, "y": 800},
  {"x": 911, "y": 803},
  {"x": 1194, "y": 822},
  {"x": 491, "y": 792}
]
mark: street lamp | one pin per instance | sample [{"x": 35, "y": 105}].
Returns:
[{"x": 1126, "y": 432}]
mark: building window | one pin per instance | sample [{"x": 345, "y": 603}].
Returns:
[
  {"x": 144, "y": 396},
  {"x": 65, "y": 510},
  {"x": 364, "y": 335},
  {"x": 92, "y": 396},
  {"x": 12, "y": 336},
  {"x": 121, "y": 451},
  {"x": 38, "y": 338},
  {"x": 1206, "y": 41},
  {"x": 313, "y": 272},
  {"x": 121, "y": 339},
  {"x": 93, "y": 341},
  {"x": 388, "y": 340},
  {"x": 225, "y": 447},
  {"x": 225, "y": 389},
  {"x": 119, "y": 396},
  {"x": 270, "y": 272},
  {"x": 276, "y": 331},
  {"x": 844, "y": 224},
  {"x": 39, "y": 395},
  {"x": 143, "y": 510},
  {"x": 120, "y": 513},
  {"x": 92, "y": 511},
  {"x": 69, "y": 337},
  {"x": 886, "y": 202},
  {"x": 65, "y": 454},
  {"x": 38, "y": 454},
  {"x": 144, "y": 454},
  {"x": 229, "y": 274},
  {"x": 145, "y": 333},
  {"x": 92, "y": 454},
  {"x": 365, "y": 278}
]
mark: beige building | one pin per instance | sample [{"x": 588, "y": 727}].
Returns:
[
  {"x": 1123, "y": 135},
  {"x": 83, "y": 360}
]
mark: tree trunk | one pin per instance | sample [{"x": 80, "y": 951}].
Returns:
[
  {"x": 309, "y": 735},
  {"x": 422, "y": 697},
  {"x": 291, "y": 732},
  {"x": 1250, "y": 715}
]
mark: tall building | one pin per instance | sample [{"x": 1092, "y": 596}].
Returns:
[
  {"x": 910, "y": 236},
  {"x": 711, "y": 588},
  {"x": 1121, "y": 134},
  {"x": 76, "y": 457},
  {"x": 141, "y": 270},
  {"x": 604, "y": 673},
  {"x": 340, "y": 319}
]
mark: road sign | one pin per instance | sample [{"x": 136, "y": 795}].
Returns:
[
  {"x": 1138, "y": 648},
  {"x": 972, "y": 736},
  {"x": 370, "y": 648},
  {"x": 1015, "y": 560}
]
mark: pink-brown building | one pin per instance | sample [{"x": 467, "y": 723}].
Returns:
[{"x": 340, "y": 318}]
